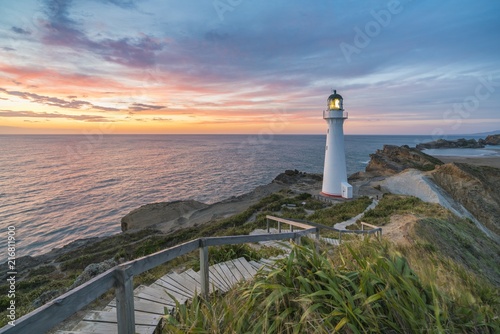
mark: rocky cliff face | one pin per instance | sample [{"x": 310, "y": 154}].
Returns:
[
  {"x": 477, "y": 188},
  {"x": 394, "y": 159},
  {"x": 459, "y": 143},
  {"x": 492, "y": 140}
]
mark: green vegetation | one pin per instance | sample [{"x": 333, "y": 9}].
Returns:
[
  {"x": 47, "y": 281},
  {"x": 446, "y": 280},
  {"x": 340, "y": 212},
  {"x": 363, "y": 287},
  {"x": 398, "y": 204}
]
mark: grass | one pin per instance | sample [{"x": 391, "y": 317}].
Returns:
[
  {"x": 364, "y": 287},
  {"x": 47, "y": 279},
  {"x": 340, "y": 212},
  {"x": 398, "y": 204},
  {"x": 445, "y": 282}
]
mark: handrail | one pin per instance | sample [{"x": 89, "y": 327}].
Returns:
[
  {"x": 375, "y": 229},
  {"x": 121, "y": 277}
]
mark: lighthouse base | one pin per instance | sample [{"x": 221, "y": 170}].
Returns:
[
  {"x": 346, "y": 189},
  {"x": 330, "y": 195}
]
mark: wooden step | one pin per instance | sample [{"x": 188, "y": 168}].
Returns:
[
  {"x": 230, "y": 278},
  {"x": 217, "y": 275},
  {"x": 245, "y": 268},
  {"x": 228, "y": 283},
  {"x": 141, "y": 318},
  {"x": 173, "y": 283},
  {"x": 154, "y": 294},
  {"x": 169, "y": 290},
  {"x": 234, "y": 270},
  {"x": 108, "y": 328},
  {"x": 146, "y": 306}
]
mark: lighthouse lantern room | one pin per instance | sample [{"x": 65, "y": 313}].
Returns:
[{"x": 334, "y": 173}]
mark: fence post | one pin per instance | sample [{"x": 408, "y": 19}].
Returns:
[
  {"x": 204, "y": 270},
  {"x": 279, "y": 227},
  {"x": 297, "y": 239},
  {"x": 316, "y": 234},
  {"x": 267, "y": 223},
  {"x": 124, "y": 301}
]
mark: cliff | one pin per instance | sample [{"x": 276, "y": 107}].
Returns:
[
  {"x": 461, "y": 143},
  {"x": 492, "y": 140},
  {"x": 477, "y": 188},
  {"x": 467, "y": 190},
  {"x": 394, "y": 159}
]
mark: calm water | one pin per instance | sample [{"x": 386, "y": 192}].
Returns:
[{"x": 56, "y": 189}]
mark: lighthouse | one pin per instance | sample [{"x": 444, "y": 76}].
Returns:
[{"x": 335, "y": 174}]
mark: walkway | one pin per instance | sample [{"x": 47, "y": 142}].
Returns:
[
  {"x": 344, "y": 224},
  {"x": 151, "y": 302}
]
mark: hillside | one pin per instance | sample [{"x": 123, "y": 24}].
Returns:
[
  {"x": 429, "y": 257},
  {"x": 439, "y": 275}
]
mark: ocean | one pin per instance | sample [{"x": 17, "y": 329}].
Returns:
[{"x": 58, "y": 188}]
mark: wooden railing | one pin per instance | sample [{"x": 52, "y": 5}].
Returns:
[
  {"x": 300, "y": 223},
  {"x": 373, "y": 229},
  {"x": 121, "y": 278}
]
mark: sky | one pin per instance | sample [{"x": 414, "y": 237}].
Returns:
[{"x": 240, "y": 66}]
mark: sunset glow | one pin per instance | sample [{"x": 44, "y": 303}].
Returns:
[{"x": 160, "y": 67}]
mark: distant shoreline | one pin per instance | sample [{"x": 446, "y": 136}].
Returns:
[{"x": 492, "y": 161}]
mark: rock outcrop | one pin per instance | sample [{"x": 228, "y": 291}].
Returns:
[
  {"x": 295, "y": 176},
  {"x": 155, "y": 213},
  {"x": 477, "y": 188},
  {"x": 459, "y": 143},
  {"x": 394, "y": 159},
  {"x": 492, "y": 140}
]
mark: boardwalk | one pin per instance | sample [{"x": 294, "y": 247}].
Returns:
[{"x": 152, "y": 302}]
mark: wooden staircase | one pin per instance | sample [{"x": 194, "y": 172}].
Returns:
[{"x": 152, "y": 302}]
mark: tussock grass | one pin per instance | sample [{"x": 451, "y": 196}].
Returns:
[
  {"x": 340, "y": 212},
  {"x": 365, "y": 287},
  {"x": 391, "y": 204}
]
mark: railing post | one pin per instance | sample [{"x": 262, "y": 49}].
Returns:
[
  {"x": 297, "y": 239},
  {"x": 204, "y": 272},
  {"x": 316, "y": 235},
  {"x": 267, "y": 223},
  {"x": 279, "y": 227},
  {"x": 124, "y": 301}
]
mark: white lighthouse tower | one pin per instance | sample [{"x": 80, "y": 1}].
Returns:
[{"x": 335, "y": 174}]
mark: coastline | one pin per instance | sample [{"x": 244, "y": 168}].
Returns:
[
  {"x": 491, "y": 161},
  {"x": 182, "y": 219}
]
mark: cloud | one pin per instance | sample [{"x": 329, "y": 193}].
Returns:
[
  {"x": 162, "y": 119},
  {"x": 142, "y": 107},
  {"x": 20, "y": 31},
  {"x": 127, "y": 4},
  {"x": 60, "y": 30},
  {"x": 30, "y": 114},
  {"x": 56, "y": 102}
]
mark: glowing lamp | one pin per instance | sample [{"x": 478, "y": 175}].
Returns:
[{"x": 335, "y": 101}]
